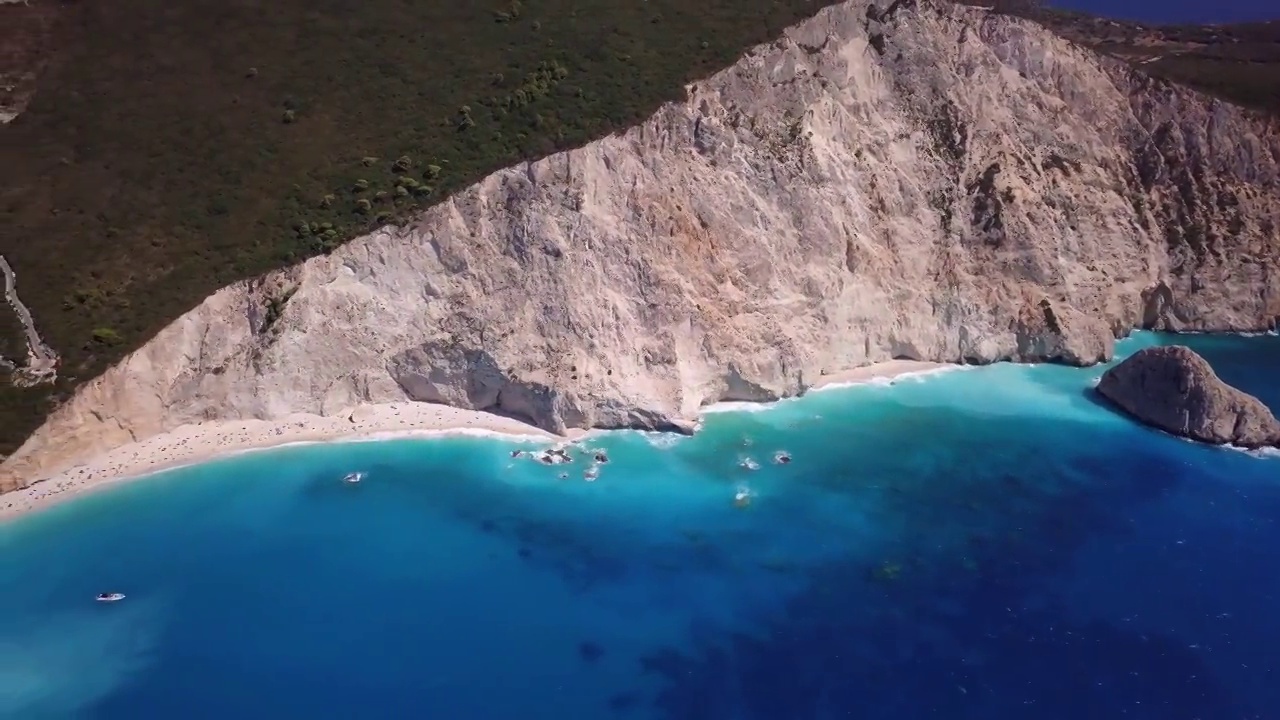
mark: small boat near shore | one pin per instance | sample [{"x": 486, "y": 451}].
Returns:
[{"x": 110, "y": 597}]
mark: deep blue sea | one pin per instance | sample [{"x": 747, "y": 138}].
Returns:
[{"x": 982, "y": 544}]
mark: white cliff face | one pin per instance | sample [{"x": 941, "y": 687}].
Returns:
[{"x": 930, "y": 182}]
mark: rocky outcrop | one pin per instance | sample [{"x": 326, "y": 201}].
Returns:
[
  {"x": 1174, "y": 389},
  {"x": 41, "y": 364},
  {"x": 912, "y": 180}
]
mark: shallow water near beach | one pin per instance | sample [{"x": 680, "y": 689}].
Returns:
[{"x": 988, "y": 543}]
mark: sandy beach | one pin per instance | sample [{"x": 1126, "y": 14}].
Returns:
[
  {"x": 202, "y": 442},
  {"x": 192, "y": 444},
  {"x": 880, "y": 372}
]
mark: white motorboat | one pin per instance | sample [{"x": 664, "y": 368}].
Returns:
[
  {"x": 353, "y": 478},
  {"x": 110, "y": 597}
]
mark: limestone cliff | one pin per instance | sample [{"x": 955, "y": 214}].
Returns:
[{"x": 914, "y": 180}]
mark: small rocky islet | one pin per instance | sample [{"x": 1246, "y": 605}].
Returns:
[{"x": 1174, "y": 389}]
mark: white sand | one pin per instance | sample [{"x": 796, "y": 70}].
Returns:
[
  {"x": 192, "y": 444},
  {"x": 882, "y": 371}
]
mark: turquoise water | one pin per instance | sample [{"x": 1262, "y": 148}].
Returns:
[{"x": 987, "y": 543}]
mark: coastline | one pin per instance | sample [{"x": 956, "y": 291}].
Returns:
[
  {"x": 203, "y": 442},
  {"x": 883, "y": 373}
]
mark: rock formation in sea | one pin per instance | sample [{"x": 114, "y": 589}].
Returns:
[
  {"x": 907, "y": 180},
  {"x": 1174, "y": 389}
]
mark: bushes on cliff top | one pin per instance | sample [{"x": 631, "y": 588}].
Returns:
[{"x": 153, "y": 168}]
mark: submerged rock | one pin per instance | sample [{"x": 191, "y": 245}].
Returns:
[
  {"x": 1174, "y": 389},
  {"x": 554, "y": 456},
  {"x": 590, "y": 651}
]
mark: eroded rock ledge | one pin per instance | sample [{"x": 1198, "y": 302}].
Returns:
[
  {"x": 1174, "y": 389},
  {"x": 933, "y": 182}
]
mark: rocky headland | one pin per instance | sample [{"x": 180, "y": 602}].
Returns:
[
  {"x": 915, "y": 180},
  {"x": 1174, "y": 389}
]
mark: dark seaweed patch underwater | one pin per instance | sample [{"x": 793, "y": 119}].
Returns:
[{"x": 980, "y": 544}]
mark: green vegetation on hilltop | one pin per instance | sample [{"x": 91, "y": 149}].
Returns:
[
  {"x": 1238, "y": 62},
  {"x": 13, "y": 346},
  {"x": 176, "y": 147}
]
